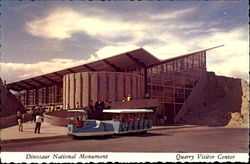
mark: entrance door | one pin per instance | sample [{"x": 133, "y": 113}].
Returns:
[{"x": 169, "y": 108}]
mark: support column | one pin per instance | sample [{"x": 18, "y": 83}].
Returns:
[{"x": 145, "y": 78}]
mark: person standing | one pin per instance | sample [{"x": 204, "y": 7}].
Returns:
[
  {"x": 129, "y": 98},
  {"x": 39, "y": 120},
  {"x": 90, "y": 110},
  {"x": 36, "y": 111},
  {"x": 33, "y": 114},
  {"x": 20, "y": 118}
]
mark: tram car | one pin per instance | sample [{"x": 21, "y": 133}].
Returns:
[{"x": 122, "y": 121}]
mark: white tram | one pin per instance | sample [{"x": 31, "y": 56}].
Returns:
[{"x": 123, "y": 121}]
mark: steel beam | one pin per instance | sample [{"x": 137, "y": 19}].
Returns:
[
  {"x": 41, "y": 83},
  {"x": 71, "y": 71},
  {"x": 88, "y": 67},
  {"x": 135, "y": 60},
  {"x": 53, "y": 81},
  {"x": 32, "y": 86},
  {"x": 112, "y": 66},
  {"x": 58, "y": 74},
  {"x": 18, "y": 85}
]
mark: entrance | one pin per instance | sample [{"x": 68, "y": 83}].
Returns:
[{"x": 169, "y": 108}]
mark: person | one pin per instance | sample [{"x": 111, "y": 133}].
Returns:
[
  {"x": 20, "y": 125},
  {"x": 129, "y": 118},
  {"x": 90, "y": 110},
  {"x": 77, "y": 105},
  {"x": 124, "y": 99},
  {"x": 36, "y": 112},
  {"x": 102, "y": 105},
  {"x": 61, "y": 107},
  {"x": 158, "y": 120},
  {"x": 98, "y": 109},
  {"x": 39, "y": 120},
  {"x": 108, "y": 103},
  {"x": 165, "y": 119},
  {"x": 33, "y": 114},
  {"x": 67, "y": 106},
  {"x": 147, "y": 96},
  {"x": 78, "y": 122},
  {"x": 20, "y": 118},
  {"x": 129, "y": 97}
]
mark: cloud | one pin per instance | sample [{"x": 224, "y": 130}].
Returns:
[
  {"x": 165, "y": 35},
  {"x": 108, "y": 51},
  {"x": 61, "y": 24},
  {"x": 19, "y": 71},
  {"x": 171, "y": 15},
  {"x": 230, "y": 60}
]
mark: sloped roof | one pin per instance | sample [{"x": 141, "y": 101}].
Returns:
[
  {"x": 119, "y": 63},
  {"x": 122, "y": 62}
]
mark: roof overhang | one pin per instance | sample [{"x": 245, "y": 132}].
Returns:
[{"x": 119, "y": 63}]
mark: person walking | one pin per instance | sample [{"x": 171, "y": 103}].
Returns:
[{"x": 39, "y": 120}]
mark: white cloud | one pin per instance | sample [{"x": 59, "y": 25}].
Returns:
[
  {"x": 18, "y": 71},
  {"x": 171, "y": 15},
  {"x": 61, "y": 24},
  {"x": 108, "y": 51},
  {"x": 230, "y": 60}
]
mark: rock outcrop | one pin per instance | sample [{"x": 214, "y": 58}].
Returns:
[
  {"x": 224, "y": 102},
  {"x": 9, "y": 103}
]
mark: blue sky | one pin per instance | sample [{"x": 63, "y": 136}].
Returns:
[{"x": 44, "y": 36}]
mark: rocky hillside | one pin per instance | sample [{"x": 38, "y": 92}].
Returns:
[
  {"x": 9, "y": 103},
  {"x": 223, "y": 102}
]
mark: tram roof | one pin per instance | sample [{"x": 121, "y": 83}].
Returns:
[
  {"x": 77, "y": 110},
  {"x": 127, "y": 111}
]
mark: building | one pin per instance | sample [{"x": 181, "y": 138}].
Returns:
[{"x": 133, "y": 73}]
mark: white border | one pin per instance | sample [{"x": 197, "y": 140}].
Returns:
[{"x": 59, "y": 157}]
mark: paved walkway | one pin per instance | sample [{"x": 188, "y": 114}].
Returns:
[{"x": 48, "y": 131}]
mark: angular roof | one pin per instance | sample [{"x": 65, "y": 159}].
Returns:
[{"x": 119, "y": 63}]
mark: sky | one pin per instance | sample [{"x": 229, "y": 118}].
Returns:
[{"x": 39, "y": 37}]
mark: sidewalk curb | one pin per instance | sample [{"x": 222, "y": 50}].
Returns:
[
  {"x": 174, "y": 127},
  {"x": 34, "y": 139}
]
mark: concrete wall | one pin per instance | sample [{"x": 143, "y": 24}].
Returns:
[
  {"x": 56, "y": 120},
  {"x": 12, "y": 120},
  {"x": 80, "y": 88}
]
